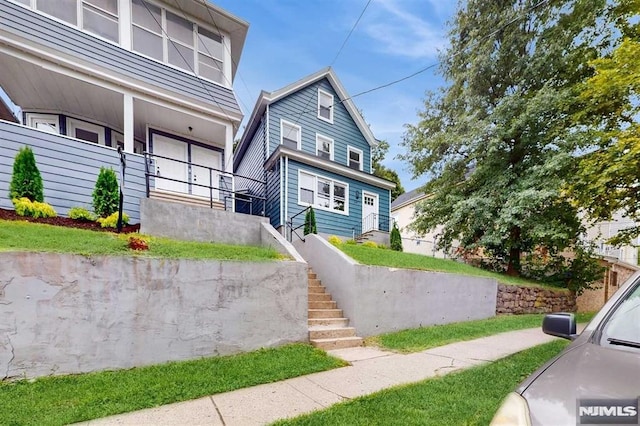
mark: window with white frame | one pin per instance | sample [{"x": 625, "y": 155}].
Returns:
[
  {"x": 354, "y": 158},
  {"x": 290, "y": 134},
  {"x": 171, "y": 38},
  {"x": 324, "y": 147},
  {"x": 99, "y": 17},
  {"x": 323, "y": 193},
  {"x": 85, "y": 131},
  {"x": 45, "y": 122},
  {"x": 325, "y": 106}
]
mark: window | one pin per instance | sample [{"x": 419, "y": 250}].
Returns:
[
  {"x": 85, "y": 131},
  {"x": 100, "y": 17},
  {"x": 323, "y": 193},
  {"x": 169, "y": 37},
  {"x": 354, "y": 158},
  {"x": 65, "y": 10},
  {"x": 324, "y": 147},
  {"x": 325, "y": 106},
  {"x": 290, "y": 135},
  {"x": 44, "y": 122}
]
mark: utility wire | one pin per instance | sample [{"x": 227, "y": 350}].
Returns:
[{"x": 350, "y": 32}]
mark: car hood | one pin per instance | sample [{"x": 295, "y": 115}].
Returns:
[{"x": 585, "y": 370}]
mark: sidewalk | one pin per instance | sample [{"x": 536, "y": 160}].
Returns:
[{"x": 371, "y": 370}]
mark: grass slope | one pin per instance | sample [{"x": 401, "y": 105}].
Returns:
[
  {"x": 69, "y": 399},
  {"x": 24, "y": 236},
  {"x": 469, "y": 397},
  {"x": 394, "y": 259},
  {"x": 419, "y": 339}
]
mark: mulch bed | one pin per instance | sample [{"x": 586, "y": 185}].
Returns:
[{"x": 65, "y": 221}]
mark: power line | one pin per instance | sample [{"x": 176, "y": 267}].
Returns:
[{"x": 350, "y": 32}]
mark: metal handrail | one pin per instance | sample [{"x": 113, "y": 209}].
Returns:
[{"x": 293, "y": 230}]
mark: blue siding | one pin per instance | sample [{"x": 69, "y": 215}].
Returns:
[
  {"x": 329, "y": 222},
  {"x": 274, "y": 189},
  {"x": 301, "y": 108},
  {"x": 34, "y": 27},
  {"x": 250, "y": 166},
  {"x": 69, "y": 169}
]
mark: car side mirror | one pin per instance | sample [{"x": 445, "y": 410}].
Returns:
[{"x": 560, "y": 324}]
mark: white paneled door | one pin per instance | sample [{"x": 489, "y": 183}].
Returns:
[
  {"x": 171, "y": 148},
  {"x": 203, "y": 175},
  {"x": 369, "y": 211}
]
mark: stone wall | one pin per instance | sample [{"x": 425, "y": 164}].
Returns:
[
  {"x": 532, "y": 300},
  {"x": 66, "y": 314}
]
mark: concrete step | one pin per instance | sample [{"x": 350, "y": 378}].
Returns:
[
  {"x": 328, "y": 322},
  {"x": 317, "y": 289},
  {"x": 312, "y": 275},
  {"x": 330, "y": 304},
  {"x": 329, "y": 332},
  {"x": 314, "y": 281},
  {"x": 325, "y": 313},
  {"x": 319, "y": 297},
  {"x": 339, "y": 343}
]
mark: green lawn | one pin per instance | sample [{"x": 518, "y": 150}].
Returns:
[
  {"x": 68, "y": 399},
  {"x": 419, "y": 339},
  {"x": 24, "y": 236},
  {"x": 469, "y": 397},
  {"x": 394, "y": 259}
]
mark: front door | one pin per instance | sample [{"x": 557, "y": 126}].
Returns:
[
  {"x": 203, "y": 175},
  {"x": 176, "y": 170},
  {"x": 369, "y": 211}
]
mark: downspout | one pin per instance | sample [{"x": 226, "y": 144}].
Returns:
[
  {"x": 281, "y": 191},
  {"x": 286, "y": 187}
]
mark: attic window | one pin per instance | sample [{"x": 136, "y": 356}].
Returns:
[{"x": 325, "y": 106}]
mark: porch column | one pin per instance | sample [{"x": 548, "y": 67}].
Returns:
[
  {"x": 124, "y": 22},
  {"x": 228, "y": 148},
  {"x": 128, "y": 122}
]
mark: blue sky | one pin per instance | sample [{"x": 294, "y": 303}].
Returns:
[{"x": 290, "y": 39}]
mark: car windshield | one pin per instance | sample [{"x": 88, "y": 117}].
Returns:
[{"x": 623, "y": 328}]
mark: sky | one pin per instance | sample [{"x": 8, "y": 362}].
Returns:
[{"x": 291, "y": 39}]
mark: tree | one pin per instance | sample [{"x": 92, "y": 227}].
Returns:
[
  {"x": 498, "y": 140},
  {"x": 26, "y": 181},
  {"x": 396, "y": 238},
  {"x": 310, "y": 222},
  {"x": 377, "y": 156},
  {"x": 608, "y": 180},
  {"x": 106, "y": 193}
]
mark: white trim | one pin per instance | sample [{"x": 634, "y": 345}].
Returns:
[
  {"x": 331, "y": 193},
  {"x": 359, "y": 151},
  {"x": 281, "y": 191},
  {"x": 329, "y": 166},
  {"x": 319, "y": 137},
  {"x": 377, "y": 209},
  {"x": 32, "y": 120},
  {"x": 322, "y": 93},
  {"x": 284, "y": 122},
  {"x": 74, "y": 124},
  {"x": 286, "y": 191}
]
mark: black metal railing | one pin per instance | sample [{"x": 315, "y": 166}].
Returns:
[
  {"x": 373, "y": 222},
  {"x": 291, "y": 229},
  {"x": 219, "y": 187}
]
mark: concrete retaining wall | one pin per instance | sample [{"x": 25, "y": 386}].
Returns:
[
  {"x": 379, "y": 299},
  {"x": 62, "y": 314}
]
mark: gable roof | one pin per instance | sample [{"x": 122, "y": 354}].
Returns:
[
  {"x": 408, "y": 198},
  {"x": 267, "y": 98}
]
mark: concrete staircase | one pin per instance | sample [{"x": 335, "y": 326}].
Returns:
[{"x": 328, "y": 329}]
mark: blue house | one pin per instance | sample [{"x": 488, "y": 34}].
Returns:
[{"x": 312, "y": 147}]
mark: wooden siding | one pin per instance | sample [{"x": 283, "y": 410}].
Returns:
[
  {"x": 69, "y": 169},
  {"x": 301, "y": 108},
  {"x": 329, "y": 222},
  {"x": 251, "y": 166},
  {"x": 274, "y": 185},
  {"x": 67, "y": 40}
]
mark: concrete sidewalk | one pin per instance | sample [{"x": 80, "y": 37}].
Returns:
[{"x": 371, "y": 370}]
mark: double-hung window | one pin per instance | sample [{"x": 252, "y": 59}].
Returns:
[
  {"x": 99, "y": 17},
  {"x": 323, "y": 193},
  {"x": 324, "y": 147},
  {"x": 147, "y": 29},
  {"x": 290, "y": 135},
  {"x": 354, "y": 158},
  {"x": 325, "y": 106},
  {"x": 210, "y": 55},
  {"x": 180, "y": 42}
]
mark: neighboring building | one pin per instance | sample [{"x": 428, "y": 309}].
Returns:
[
  {"x": 402, "y": 212},
  {"x": 313, "y": 148},
  {"x": 603, "y": 231},
  {"x": 144, "y": 75}
]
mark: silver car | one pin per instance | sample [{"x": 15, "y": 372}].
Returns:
[{"x": 595, "y": 380}]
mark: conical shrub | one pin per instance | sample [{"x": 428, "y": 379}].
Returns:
[
  {"x": 26, "y": 181},
  {"x": 106, "y": 194}
]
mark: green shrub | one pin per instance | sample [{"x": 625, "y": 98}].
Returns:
[
  {"x": 370, "y": 244},
  {"x": 26, "y": 207},
  {"x": 106, "y": 194},
  {"x": 310, "y": 222},
  {"x": 26, "y": 181},
  {"x": 81, "y": 214},
  {"x": 335, "y": 240},
  {"x": 111, "y": 221},
  {"x": 396, "y": 238},
  {"x": 351, "y": 242}
]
